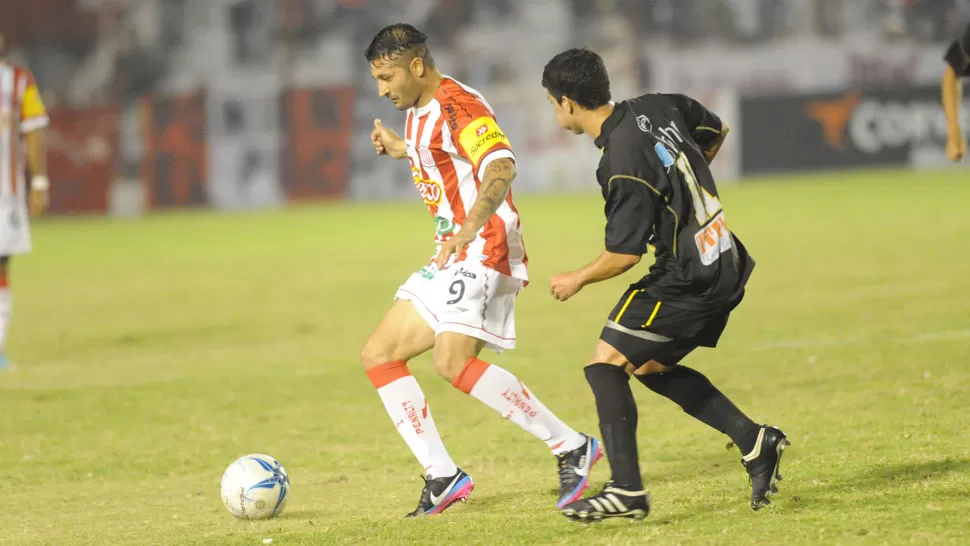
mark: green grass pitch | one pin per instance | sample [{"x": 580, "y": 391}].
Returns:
[{"x": 153, "y": 352}]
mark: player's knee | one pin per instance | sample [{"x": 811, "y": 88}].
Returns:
[
  {"x": 452, "y": 352},
  {"x": 449, "y": 367},
  {"x": 373, "y": 354},
  {"x": 449, "y": 363}
]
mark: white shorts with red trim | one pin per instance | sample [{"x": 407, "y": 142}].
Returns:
[{"x": 467, "y": 298}]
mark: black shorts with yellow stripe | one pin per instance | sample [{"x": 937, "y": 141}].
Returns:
[{"x": 644, "y": 328}]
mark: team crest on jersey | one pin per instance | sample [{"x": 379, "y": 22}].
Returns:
[
  {"x": 644, "y": 123},
  {"x": 427, "y": 158},
  {"x": 430, "y": 190}
]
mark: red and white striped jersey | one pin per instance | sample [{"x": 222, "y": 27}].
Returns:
[
  {"x": 21, "y": 111},
  {"x": 450, "y": 142}
]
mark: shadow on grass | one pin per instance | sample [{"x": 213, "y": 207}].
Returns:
[
  {"x": 908, "y": 472},
  {"x": 802, "y": 492},
  {"x": 307, "y": 515}
]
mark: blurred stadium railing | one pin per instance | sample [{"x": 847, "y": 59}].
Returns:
[{"x": 253, "y": 103}]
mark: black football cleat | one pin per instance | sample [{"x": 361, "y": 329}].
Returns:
[
  {"x": 574, "y": 468},
  {"x": 613, "y": 502},
  {"x": 763, "y": 464}
]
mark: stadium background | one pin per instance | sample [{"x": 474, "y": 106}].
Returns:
[
  {"x": 175, "y": 315},
  {"x": 248, "y": 103}
]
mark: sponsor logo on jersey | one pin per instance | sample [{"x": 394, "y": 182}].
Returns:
[
  {"x": 664, "y": 154},
  {"x": 430, "y": 190},
  {"x": 451, "y": 114},
  {"x": 713, "y": 239},
  {"x": 671, "y": 137},
  {"x": 444, "y": 226},
  {"x": 481, "y": 136}
]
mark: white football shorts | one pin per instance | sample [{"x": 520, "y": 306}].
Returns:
[{"x": 467, "y": 298}]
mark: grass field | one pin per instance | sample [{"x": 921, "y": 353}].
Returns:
[{"x": 154, "y": 352}]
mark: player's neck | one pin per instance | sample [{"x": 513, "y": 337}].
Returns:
[
  {"x": 592, "y": 122},
  {"x": 430, "y": 89}
]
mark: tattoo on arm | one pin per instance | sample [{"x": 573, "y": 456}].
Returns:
[{"x": 491, "y": 194}]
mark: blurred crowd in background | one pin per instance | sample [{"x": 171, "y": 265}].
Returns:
[{"x": 244, "y": 54}]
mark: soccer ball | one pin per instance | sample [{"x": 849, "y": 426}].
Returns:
[{"x": 255, "y": 487}]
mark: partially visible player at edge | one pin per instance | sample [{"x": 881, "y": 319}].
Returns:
[
  {"x": 22, "y": 122},
  {"x": 463, "y": 300},
  {"x": 957, "y": 66},
  {"x": 659, "y": 190}
]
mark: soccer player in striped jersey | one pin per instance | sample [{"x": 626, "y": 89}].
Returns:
[
  {"x": 22, "y": 122},
  {"x": 463, "y": 299}
]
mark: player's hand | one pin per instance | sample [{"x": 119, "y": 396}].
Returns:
[
  {"x": 565, "y": 285},
  {"x": 387, "y": 142},
  {"x": 456, "y": 245},
  {"x": 38, "y": 202},
  {"x": 956, "y": 148}
]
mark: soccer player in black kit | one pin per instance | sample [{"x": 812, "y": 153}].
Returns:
[
  {"x": 659, "y": 191},
  {"x": 957, "y": 66}
]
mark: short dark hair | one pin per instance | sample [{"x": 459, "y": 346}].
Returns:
[
  {"x": 395, "y": 40},
  {"x": 580, "y": 75}
]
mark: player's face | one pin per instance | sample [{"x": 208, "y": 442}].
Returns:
[
  {"x": 564, "y": 114},
  {"x": 396, "y": 82}
]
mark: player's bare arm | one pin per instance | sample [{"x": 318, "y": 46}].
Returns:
[
  {"x": 387, "y": 142},
  {"x": 952, "y": 91},
  {"x": 37, "y": 162},
  {"x": 606, "y": 266},
  {"x": 711, "y": 152},
  {"x": 495, "y": 187}
]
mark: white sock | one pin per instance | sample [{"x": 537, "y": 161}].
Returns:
[
  {"x": 6, "y": 309},
  {"x": 503, "y": 392},
  {"x": 408, "y": 408}
]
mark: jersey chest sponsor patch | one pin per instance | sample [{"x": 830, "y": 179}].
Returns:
[{"x": 431, "y": 190}]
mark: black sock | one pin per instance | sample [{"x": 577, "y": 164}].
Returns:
[
  {"x": 693, "y": 392},
  {"x": 618, "y": 421}
]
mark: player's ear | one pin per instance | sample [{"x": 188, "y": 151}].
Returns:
[
  {"x": 568, "y": 106},
  {"x": 417, "y": 67}
]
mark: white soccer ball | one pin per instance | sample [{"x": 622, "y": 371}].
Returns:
[{"x": 255, "y": 487}]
